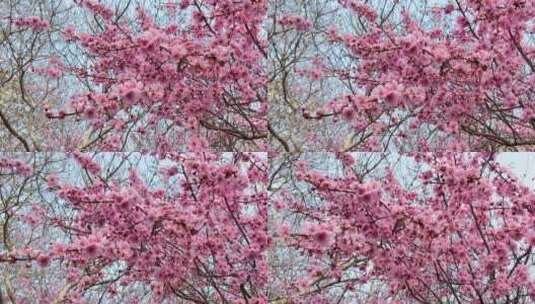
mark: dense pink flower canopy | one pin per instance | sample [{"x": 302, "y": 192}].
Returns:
[
  {"x": 460, "y": 77},
  {"x": 204, "y": 229},
  {"x": 185, "y": 84},
  {"x": 464, "y": 234},
  {"x": 266, "y": 151}
]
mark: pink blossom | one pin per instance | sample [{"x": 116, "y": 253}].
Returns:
[
  {"x": 14, "y": 166},
  {"x": 34, "y": 22},
  {"x": 43, "y": 260},
  {"x": 86, "y": 162},
  {"x": 91, "y": 250},
  {"x": 449, "y": 9},
  {"x": 296, "y": 22}
]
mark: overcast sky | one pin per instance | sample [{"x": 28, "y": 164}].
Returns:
[{"x": 522, "y": 164}]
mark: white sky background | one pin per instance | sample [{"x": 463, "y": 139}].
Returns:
[{"x": 522, "y": 164}]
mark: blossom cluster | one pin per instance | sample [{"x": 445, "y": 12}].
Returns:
[
  {"x": 34, "y": 22},
  {"x": 444, "y": 77},
  {"x": 207, "y": 226},
  {"x": 468, "y": 233},
  {"x": 14, "y": 166},
  {"x": 207, "y": 75},
  {"x": 296, "y": 22}
]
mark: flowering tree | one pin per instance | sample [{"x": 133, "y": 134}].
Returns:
[
  {"x": 461, "y": 234},
  {"x": 29, "y": 31},
  {"x": 455, "y": 76},
  {"x": 194, "y": 80},
  {"x": 199, "y": 236},
  {"x": 125, "y": 194},
  {"x": 22, "y": 177}
]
